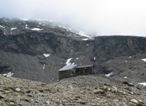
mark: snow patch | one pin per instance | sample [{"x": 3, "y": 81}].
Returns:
[
  {"x": 13, "y": 28},
  {"x": 26, "y": 26},
  {"x": 88, "y": 37},
  {"x": 46, "y": 55},
  {"x": 83, "y": 34},
  {"x": 125, "y": 77},
  {"x": 36, "y": 29},
  {"x": 129, "y": 57},
  {"x": 68, "y": 29},
  {"x": 142, "y": 83},
  {"x": 108, "y": 75},
  {"x": 2, "y": 26},
  {"x": 68, "y": 61},
  {"x": 60, "y": 26},
  {"x": 85, "y": 39},
  {"x": 64, "y": 27},
  {"x": 126, "y": 61},
  {"x": 77, "y": 58},
  {"x": 9, "y": 74},
  {"x": 94, "y": 58},
  {"x": 44, "y": 66},
  {"x": 144, "y": 59}
]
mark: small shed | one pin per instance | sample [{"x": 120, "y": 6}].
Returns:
[
  {"x": 85, "y": 70},
  {"x": 67, "y": 71}
]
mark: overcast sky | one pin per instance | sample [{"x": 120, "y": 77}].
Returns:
[{"x": 108, "y": 17}]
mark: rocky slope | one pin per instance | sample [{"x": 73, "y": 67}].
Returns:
[
  {"x": 76, "y": 91},
  {"x": 36, "y": 50}
]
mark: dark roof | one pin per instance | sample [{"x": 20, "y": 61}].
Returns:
[
  {"x": 84, "y": 66},
  {"x": 68, "y": 67}
]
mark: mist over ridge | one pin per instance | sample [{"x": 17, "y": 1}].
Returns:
[{"x": 99, "y": 17}]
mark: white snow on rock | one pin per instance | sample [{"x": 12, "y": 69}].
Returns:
[
  {"x": 67, "y": 28},
  {"x": 13, "y": 28},
  {"x": 36, "y": 29},
  {"x": 83, "y": 34},
  {"x": 129, "y": 57},
  {"x": 68, "y": 61},
  {"x": 144, "y": 59},
  {"x": 94, "y": 58},
  {"x": 26, "y": 26},
  {"x": 125, "y": 77},
  {"x": 142, "y": 83},
  {"x": 62, "y": 26},
  {"x": 2, "y": 26},
  {"x": 9, "y": 74},
  {"x": 88, "y": 37},
  {"x": 126, "y": 61},
  {"x": 46, "y": 55},
  {"x": 108, "y": 75},
  {"x": 44, "y": 66},
  {"x": 85, "y": 39}
]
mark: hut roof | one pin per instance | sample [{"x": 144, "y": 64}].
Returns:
[
  {"x": 84, "y": 66},
  {"x": 68, "y": 67}
]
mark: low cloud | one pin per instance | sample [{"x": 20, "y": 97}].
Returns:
[{"x": 102, "y": 17}]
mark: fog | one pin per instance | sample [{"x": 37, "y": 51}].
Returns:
[{"x": 101, "y": 17}]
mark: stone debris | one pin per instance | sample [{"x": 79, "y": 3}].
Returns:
[
  {"x": 12, "y": 103},
  {"x": 127, "y": 83},
  {"x": 114, "y": 89},
  {"x": 99, "y": 91},
  {"x": 47, "y": 102},
  {"x": 134, "y": 101},
  {"x": 2, "y": 96},
  {"x": 76, "y": 91},
  {"x": 17, "y": 89},
  {"x": 137, "y": 102}
]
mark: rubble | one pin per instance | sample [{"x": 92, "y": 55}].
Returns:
[{"x": 76, "y": 91}]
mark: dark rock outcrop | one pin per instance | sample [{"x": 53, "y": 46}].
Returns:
[{"x": 108, "y": 47}]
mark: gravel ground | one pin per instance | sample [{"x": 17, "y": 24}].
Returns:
[{"x": 76, "y": 91}]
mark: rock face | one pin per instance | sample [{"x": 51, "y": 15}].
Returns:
[
  {"x": 116, "y": 46},
  {"x": 22, "y": 49}
]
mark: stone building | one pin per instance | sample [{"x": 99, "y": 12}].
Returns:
[{"x": 74, "y": 70}]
